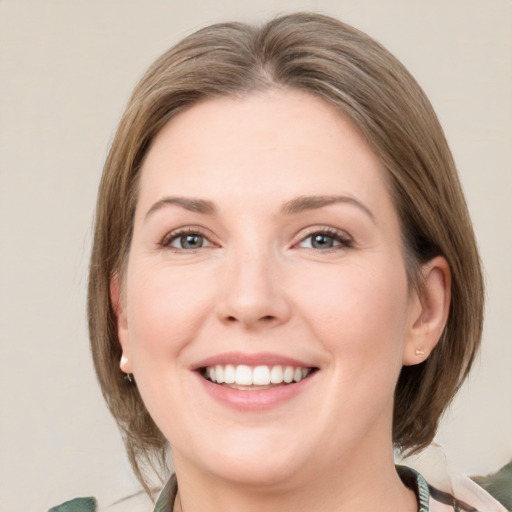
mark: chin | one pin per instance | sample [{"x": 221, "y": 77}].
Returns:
[
  {"x": 262, "y": 460},
  {"x": 267, "y": 472}
]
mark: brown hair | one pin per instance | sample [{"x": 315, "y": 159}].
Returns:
[{"x": 351, "y": 71}]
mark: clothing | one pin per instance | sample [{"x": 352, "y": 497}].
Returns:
[{"x": 429, "y": 498}]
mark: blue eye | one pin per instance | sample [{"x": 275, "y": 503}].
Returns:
[
  {"x": 323, "y": 240},
  {"x": 192, "y": 241},
  {"x": 187, "y": 241}
]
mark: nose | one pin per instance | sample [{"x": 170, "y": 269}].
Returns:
[{"x": 254, "y": 296}]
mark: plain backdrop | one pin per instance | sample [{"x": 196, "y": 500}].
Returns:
[{"x": 66, "y": 70}]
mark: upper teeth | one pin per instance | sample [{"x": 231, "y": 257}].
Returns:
[{"x": 243, "y": 375}]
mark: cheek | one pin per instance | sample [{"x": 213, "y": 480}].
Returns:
[
  {"x": 165, "y": 308},
  {"x": 361, "y": 321},
  {"x": 360, "y": 314}
]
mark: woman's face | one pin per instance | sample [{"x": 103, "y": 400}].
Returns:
[{"x": 266, "y": 248}]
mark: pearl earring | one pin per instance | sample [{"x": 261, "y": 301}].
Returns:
[{"x": 122, "y": 364}]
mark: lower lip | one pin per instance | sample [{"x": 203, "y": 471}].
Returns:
[{"x": 255, "y": 400}]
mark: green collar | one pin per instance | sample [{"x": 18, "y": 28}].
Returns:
[
  {"x": 409, "y": 476},
  {"x": 165, "y": 501}
]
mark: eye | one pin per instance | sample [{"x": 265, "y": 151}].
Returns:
[
  {"x": 186, "y": 241},
  {"x": 325, "y": 239}
]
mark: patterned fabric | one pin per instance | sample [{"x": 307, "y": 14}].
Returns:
[
  {"x": 165, "y": 501},
  {"x": 412, "y": 479},
  {"x": 466, "y": 490}
]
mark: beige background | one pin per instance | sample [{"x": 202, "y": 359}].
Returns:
[{"x": 66, "y": 69}]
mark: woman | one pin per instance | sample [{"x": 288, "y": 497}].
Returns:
[{"x": 284, "y": 282}]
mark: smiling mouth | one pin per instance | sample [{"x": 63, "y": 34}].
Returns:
[{"x": 261, "y": 377}]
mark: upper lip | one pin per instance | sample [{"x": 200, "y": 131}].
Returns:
[{"x": 256, "y": 359}]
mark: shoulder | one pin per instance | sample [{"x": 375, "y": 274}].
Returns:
[
  {"x": 466, "y": 490},
  {"x": 76, "y": 505},
  {"x": 466, "y": 496},
  {"x": 139, "y": 502},
  {"x": 159, "y": 501}
]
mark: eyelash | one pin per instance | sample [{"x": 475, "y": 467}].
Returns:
[
  {"x": 176, "y": 235},
  {"x": 343, "y": 240}
]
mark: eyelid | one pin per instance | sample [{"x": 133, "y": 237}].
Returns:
[
  {"x": 340, "y": 235},
  {"x": 172, "y": 235}
]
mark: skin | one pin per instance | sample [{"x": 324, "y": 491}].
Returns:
[{"x": 259, "y": 284}]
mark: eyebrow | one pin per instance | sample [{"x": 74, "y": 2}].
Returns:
[
  {"x": 304, "y": 203},
  {"x": 293, "y": 207},
  {"x": 190, "y": 204}
]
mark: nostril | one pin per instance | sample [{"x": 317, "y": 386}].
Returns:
[{"x": 266, "y": 318}]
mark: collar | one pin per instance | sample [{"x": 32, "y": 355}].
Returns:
[
  {"x": 165, "y": 501},
  {"x": 414, "y": 481},
  {"x": 410, "y": 478}
]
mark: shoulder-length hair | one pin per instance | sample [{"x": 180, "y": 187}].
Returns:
[{"x": 349, "y": 70}]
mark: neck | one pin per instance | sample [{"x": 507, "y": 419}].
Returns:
[{"x": 348, "y": 487}]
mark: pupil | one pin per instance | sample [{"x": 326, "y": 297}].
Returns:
[
  {"x": 322, "y": 241},
  {"x": 191, "y": 241}
]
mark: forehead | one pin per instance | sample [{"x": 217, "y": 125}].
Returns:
[{"x": 260, "y": 143}]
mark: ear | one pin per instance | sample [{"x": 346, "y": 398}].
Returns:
[
  {"x": 116, "y": 298},
  {"x": 429, "y": 311}
]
